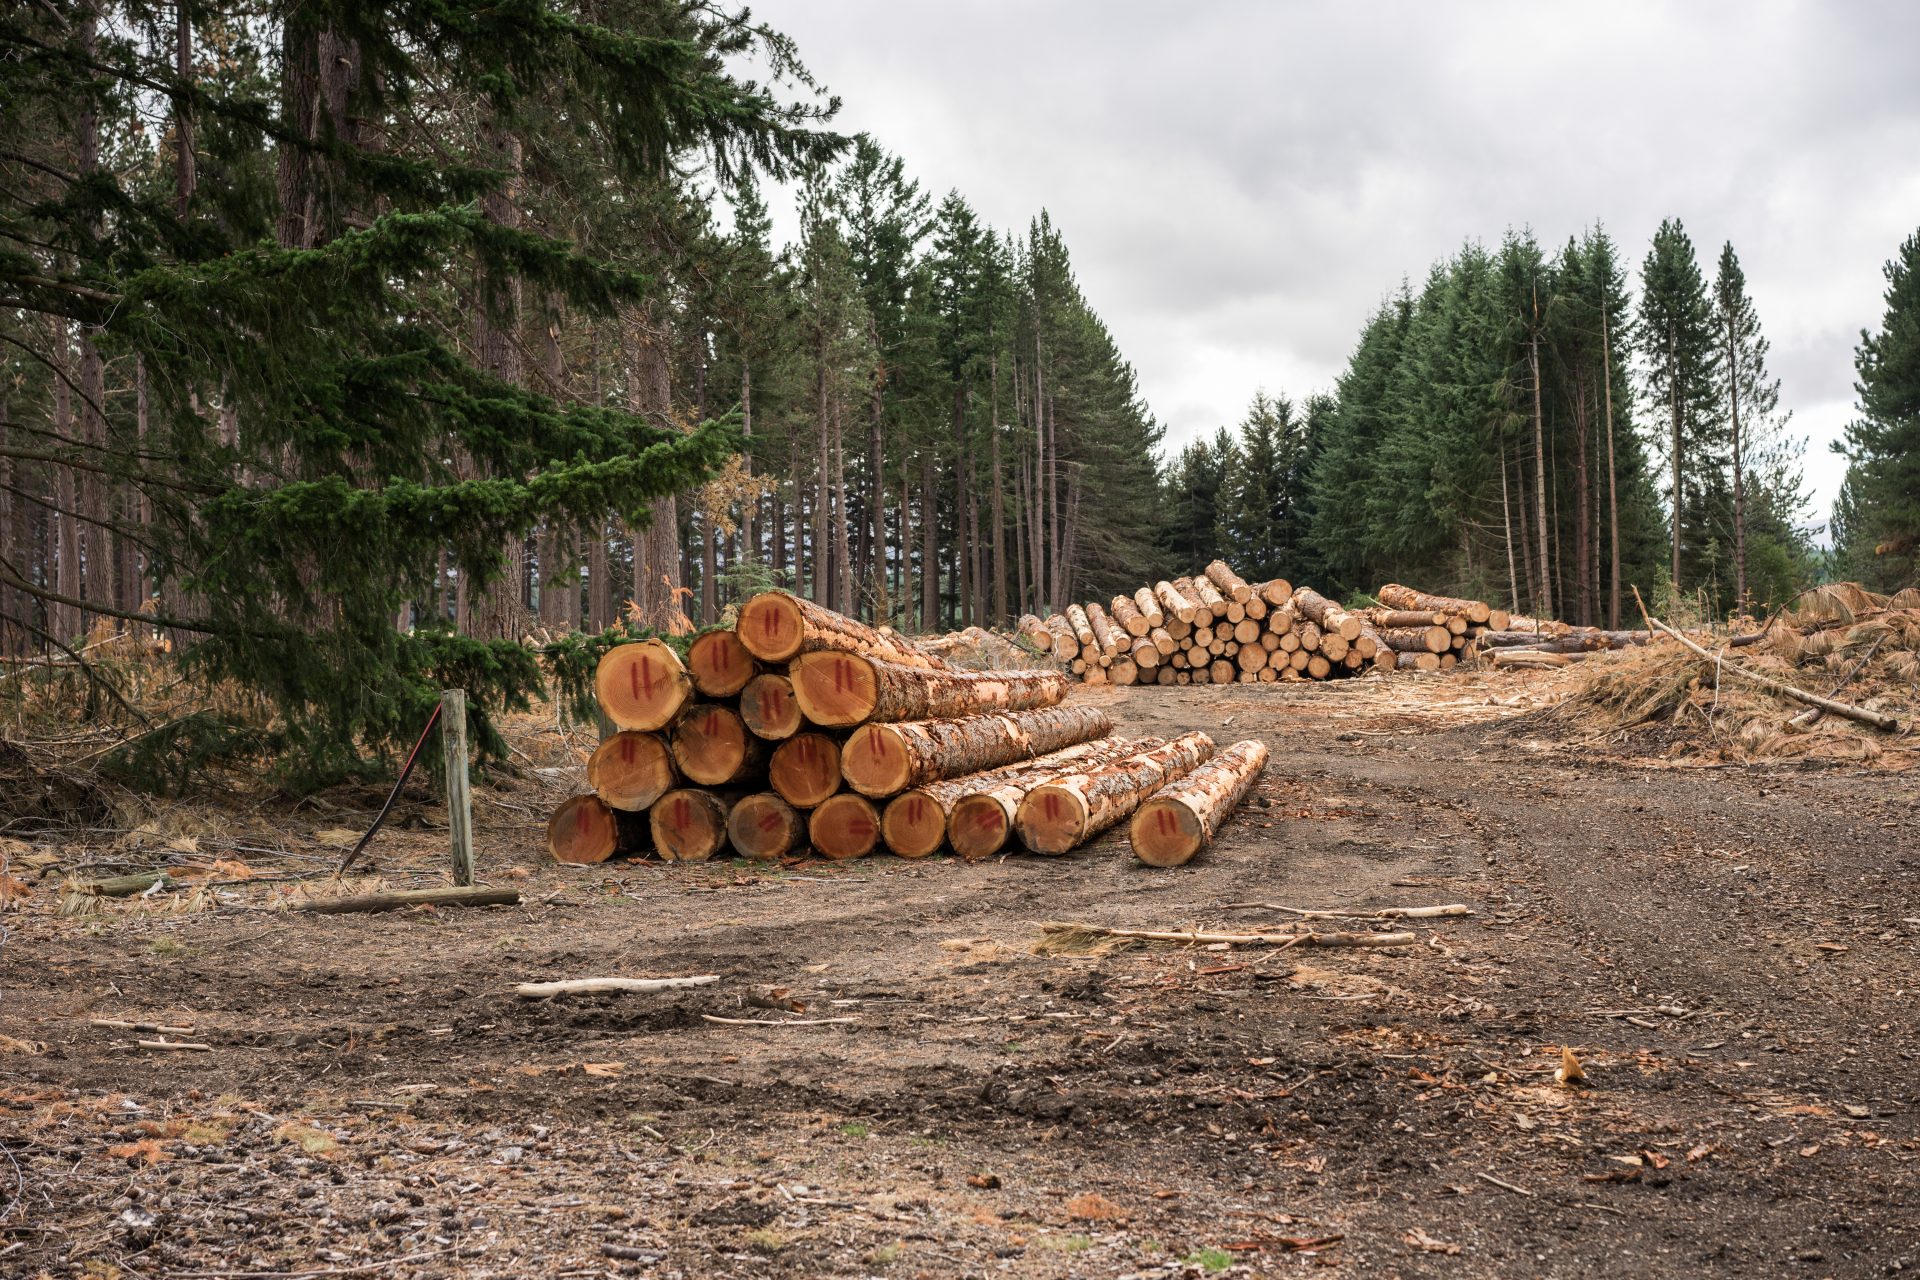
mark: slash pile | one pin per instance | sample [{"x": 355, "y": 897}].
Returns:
[
  {"x": 801, "y": 727},
  {"x": 1218, "y": 628}
]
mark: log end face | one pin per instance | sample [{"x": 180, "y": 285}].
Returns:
[
  {"x": 688, "y": 825},
  {"x": 1051, "y": 819},
  {"x": 769, "y": 708},
  {"x": 913, "y": 825},
  {"x": 977, "y": 828},
  {"x": 582, "y": 832},
  {"x": 763, "y": 826},
  {"x": 719, "y": 664},
  {"x": 834, "y": 689},
  {"x": 710, "y": 744},
  {"x": 846, "y": 826},
  {"x": 805, "y": 769},
  {"x": 770, "y": 626},
  {"x": 875, "y": 761},
  {"x": 1165, "y": 833},
  {"x": 641, "y": 686},
  {"x": 629, "y": 771}
]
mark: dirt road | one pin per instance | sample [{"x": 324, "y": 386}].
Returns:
[{"x": 1734, "y": 956}]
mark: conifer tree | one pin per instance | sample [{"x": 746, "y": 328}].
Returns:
[
  {"x": 1751, "y": 395},
  {"x": 1877, "y": 521},
  {"x": 1677, "y": 351}
]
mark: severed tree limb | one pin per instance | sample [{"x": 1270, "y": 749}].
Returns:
[
  {"x": 1237, "y": 939},
  {"x": 464, "y": 897},
  {"x": 1859, "y": 714},
  {"x": 154, "y": 1028},
  {"x": 1807, "y": 719},
  {"x": 594, "y": 986},
  {"x": 768, "y": 1022},
  {"x": 1377, "y": 913}
]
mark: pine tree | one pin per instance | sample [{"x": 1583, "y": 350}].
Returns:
[
  {"x": 1751, "y": 395},
  {"x": 1677, "y": 350},
  {"x": 1877, "y": 522}
]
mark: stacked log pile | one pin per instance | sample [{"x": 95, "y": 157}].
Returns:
[
  {"x": 1218, "y": 628},
  {"x": 799, "y": 727}
]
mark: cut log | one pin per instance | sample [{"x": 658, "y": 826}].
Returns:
[
  {"x": 1065, "y": 644},
  {"x": 584, "y": 830},
  {"x": 776, "y": 626},
  {"x": 1276, "y": 591},
  {"x": 1144, "y": 655},
  {"x": 805, "y": 769},
  {"x": 1247, "y": 631},
  {"x": 1209, "y": 597},
  {"x": 844, "y": 827},
  {"x": 1384, "y": 618},
  {"x": 1324, "y": 613},
  {"x": 609, "y": 986},
  {"x": 713, "y": 746},
  {"x": 642, "y": 685},
  {"x": 1499, "y": 619},
  {"x": 1431, "y": 639},
  {"x": 1532, "y": 658},
  {"x": 1318, "y": 668},
  {"x": 885, "y": 759},
  {"x": 1081, "y": 624},
  {"x": 1309, "y": 633},
  {"x": 1066, "y": 812},
  {"x": 1105, "y": 633},
  {"x": 841, "y": 689},
  {"x": 1149, "y": 607},
  {"x": 1128, "y": 615},
  {"x": 688, "y": 825},
  {"x": 980, "y": 822},
  {"x": 719, "y": 664},
  {"x": 1180, "y": 819},
  {"x": 1573, "y": 640},
  {"x": 1163, "y": 641},
  {"x": 1175, "y": 604},
  {"x": 1124, "y": 672},
  {"x": 631, "y": 770},
  {"x": 398, "y": 899},
  {"x": 766, "y": 827},
  {"x": 1034, "y": 632},
  {"x": 1251, "y": 659},
  {"x": 914, "y": 823},
  {"x": 1395, "y": 596},
  {"x": 1220, "y": 671},
  {"x": 1257, "y": 609},
  {"x": 1421, "y": 661},
  {"x": 1230, "y": 584},
  {"x": 768, "y": 707},
  {"x": 1333, "y": 646}
]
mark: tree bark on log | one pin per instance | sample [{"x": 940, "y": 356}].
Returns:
[
  {"x": 688, "y": 825},
  {"x": 1128, "y": 615},
  {"x": 777, "y": 626},
  {"x": 884, "y": 759},
  {"x": 1105, "y": 634},
  {"x": 1149, "y": 607},
  {"x": 642, "y": 685},
  {"x": 1210, "y": 599},
  {"x": 585, "y": 830},
  {"x": 1276, "y": 592},
  {"x": 914, "y": 823},
  {"x": 766, "y": 827},
  {"x": 1180, "y": 819},
  {"x": 980, "y": 821},
  {"x": 713, "y": 746},
  {"x": 805, "y": 769},
  {"x": 719, "y": 664},
  {"x": 1174, "y": 602},
  {"x": 843, "y": 689},
  {"x": 769, "y": 708},
  {"x": 1034, "y": 632},
  {"x": 1395, "y": 596},
  {"x": 631, "y": 770},
  {"x": 1066, "y": 645},
  {"x": 1231, "y": 584},
  {"x": 846, "y": 826},
  {"x": 1066, "y": 812},
  {"x": 1417, "y": 639},
  {"x": 398, "y": 899},
  {"x": 1573, "y": 641},
  {"x": 1328, "y": 616}
]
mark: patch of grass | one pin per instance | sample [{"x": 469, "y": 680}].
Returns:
[
  {"x": 854, "y": 1129},
  {"x": 923, "y": 1142},
  {"x": 766, "y": 1240},
  {"x": 1209, "y": 1259},
  {"x": 315, "y": 1142},
  {"x": 169, "y": 947},
  {"x": 885, "y": 1256},
  {"x": 1064, "y": 1244}
]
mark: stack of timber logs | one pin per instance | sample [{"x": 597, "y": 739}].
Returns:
[
  {"x": 1218, "y": 628},
  {"x": 798, "y": 728}
]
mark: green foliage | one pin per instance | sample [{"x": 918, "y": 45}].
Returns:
[{"x": 1876, "y": 522}]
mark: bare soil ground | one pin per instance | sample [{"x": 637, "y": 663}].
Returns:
[{"x": 1733, "y": 952}]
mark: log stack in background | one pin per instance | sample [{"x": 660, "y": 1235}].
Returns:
[
  {"x": 800, "y": 727},
  {"x": 1218, "y": 628}
]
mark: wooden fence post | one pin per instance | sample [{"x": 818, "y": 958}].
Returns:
[{"x": 453, "y": 743}]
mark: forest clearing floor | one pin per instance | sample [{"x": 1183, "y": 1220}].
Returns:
[{"x": 1732, "y": 951}]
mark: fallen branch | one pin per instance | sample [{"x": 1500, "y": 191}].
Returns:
[
  {"x": 1807, "y": 719},
  {"x": 765, "y": 1022},
  {"x": 474, "y": 897},
  {"x": 1057, "y": 929},
  {"x": 592, "y": 986},
  {"x": 1504, "y": 1185},
  {"x": 1377, "y": 913},
  {"x": 175, "y": 1044},
  {"x": 154, "y": 1028},
  {"x": 1859, "y": 714}
]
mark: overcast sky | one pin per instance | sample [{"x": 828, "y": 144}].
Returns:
[{"x": 1241, "y": 183}]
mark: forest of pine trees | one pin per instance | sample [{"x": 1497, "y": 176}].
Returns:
[
  {"x": 344, "y": 347},
  {"x": 1517, "y": 429}
]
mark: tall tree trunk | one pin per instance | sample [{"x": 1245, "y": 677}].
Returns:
[
  {"x": 185, "y": 173},
  {"x": 822, "y": 552},
  {"x": 1673, "y": 397},
  {"x": 750, "y": 508},
  {"x": 1545, "y": 604},
  {"x": 67, "y": 623},
  {"x": 1000, "y": 614},
  {"x": 962, "y": 580},
  {"x": 849, "y": 586},
  {"x": 1739, "y": 478},
  {"x": 1506, "y": 526},
  {"x": 1527, "y": 574},
  {"x": 656, "y": 551},
  {"x": 1582, "y": 507},
  {"x": 559, "y": 590},
  {"x": 1613, "y": 496},
  {"x": 906, "y": 541},
  {"x": 500, "y": 610},
  {"x": 929, "y": 548}
]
